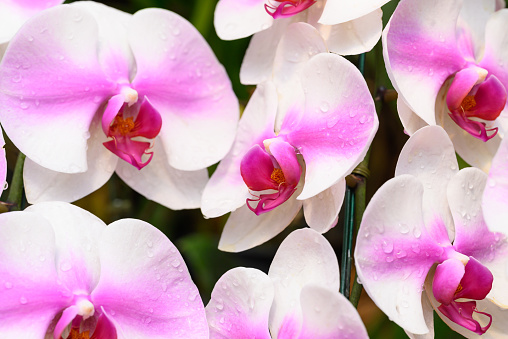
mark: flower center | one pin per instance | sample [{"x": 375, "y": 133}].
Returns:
[
  {"x": 278, "y": 176},
  {"x": 459, "y": 288},
  {"x": 122, "y": 126},
  {"x": 283, "y": 9},
  {"x": 74, "y": 334},
  {"x": 468, "y": 103}
]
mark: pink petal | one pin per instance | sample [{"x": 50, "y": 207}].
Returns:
[
  {"x": 144, "y": 286},
  {"x": 182, "y": 189},
  {"x": 42, "y": 184},
  {"x": 421, "y": 52},
  {"x": 321, "y": 211},
  {"x": 178, "y": 72},
  {"x": 476, "y": 282},
  {"x": 3, "y": 160},
  {"x": 447, "y": 278},
  {"x": 338, "y": 123},
  {"x": 104, "y": 328},
  {"x": 462, "y": 84},
  {"x": 429, "y": 156},
  {"x": 235, "y": 19},
  {"x": 305, "y": 257},
  {"x": 31, "y": 295},
  {"x": 226, "y": 191},
  {"x": 394, "y": 252},
  {"x": 67, "y": 316},
  {"x": 240, "y": 305},
  {"x": 256, "y": 169},
  {"x": 51, "y": 91},
  {"x": 244, "y": 229}
]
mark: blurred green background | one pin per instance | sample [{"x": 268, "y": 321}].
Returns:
[{"x": 196, "y": 237}]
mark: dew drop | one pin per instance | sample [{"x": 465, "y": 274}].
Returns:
[
  {"x": 417, "y": 232},
  {"x": 387, "y": 246},
  {"x": 389, "y": 259},
  {"x": 404, "y": 228},
  {"x": 401, "y": 254},
  {"x": 6, "y": 185},
  {"x": 23, "y": 301},
  {"x": 175, "y": 263},
  {"x": 8, "y": 285},
  {"x": 65, "y": 266},
  {"x": 324, "y": 107},
  {"x": 492, "y": 183},
  {"x": 415, "y": 248}
]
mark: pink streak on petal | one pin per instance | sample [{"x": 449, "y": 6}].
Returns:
[
  {"x": 477, "y": 281},
  {"x": 178, "y": 71},
  {"x": 267, "y": 202},
  {"x": 256, "y": 168},
  {"x": 67, "y": 316},
  {"x": 290, "y": 327},
  {"x": 145, "y": 287},
  {"x": 50, "y": 83},
  {"x": 446, "y": 280},
  {"x": 422, "y": 51},
  {"x": 462, "y": 314}
]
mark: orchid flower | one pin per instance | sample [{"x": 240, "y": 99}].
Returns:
[
  {"x": 13, "y": 14},
  {"x": 424, "y": 230},
  {"x": 64, "y": 274},
  {"x": 298, "y": 298},
  {"x": 448, "y": 62},
  {"x": 349, "y": 27},
  {"x": 86, "y": 90},
  {"x": 283, "y": 159}
]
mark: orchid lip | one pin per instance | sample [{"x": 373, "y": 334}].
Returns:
[
  {"x": 284, "y": 9},
  {"x": 273, "y": 172},
  {"x": 475, "y": 98}
]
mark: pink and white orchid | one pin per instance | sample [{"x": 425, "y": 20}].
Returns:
[
  {"x": 84, "y": 85},
  {"x": 348, "y": 27},
  {"x": 298, "y": 138},
  {"x": 448, "y": 61},
  {"x": 13, "y": 14},
  {"x": 424, "y": 230},
  {"x": 298, "y": 298},
  {"x": 64, "y": 274}
]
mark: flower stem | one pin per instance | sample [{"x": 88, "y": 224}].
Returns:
[
  {"x": 347, "y": 243},
  {"x": 16, "y": 187}
]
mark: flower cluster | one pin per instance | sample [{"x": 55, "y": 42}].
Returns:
[{"x": 87, "y": 91}]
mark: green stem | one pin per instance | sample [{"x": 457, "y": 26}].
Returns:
[
  {"x": 347, "y": 243},
  {"x": 16, "y": 187}
]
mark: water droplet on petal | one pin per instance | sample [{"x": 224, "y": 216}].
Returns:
[
  {"x": 23, "y": 301},
  {"x": 404, "y": 228},
  {"x": 387, "y": 246},
  {"x": 8, "y": 285}
]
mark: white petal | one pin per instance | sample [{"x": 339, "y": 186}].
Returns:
[
  {"x": 244, "y": 229},
  {"x": 160, "y": 182},
  {"x": 304, "y": 257},
  {"x": 240, "y": 305},
  {"x": 321, "y": 210},
  {"x": 337, "y": 11},
  {"x": 354, "y": 37},
  {"x": 234, "y": 19},
  {"x": 42, "y": 184},
  {"x": 429, "y": 156}
]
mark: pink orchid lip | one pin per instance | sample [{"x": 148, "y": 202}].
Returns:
[
  {"x": 125, "y": 119},
  {"x": 475, "y": 94},
  {"x": 278, "y": 172},
  {"x": 284, "y": 9},
  {"x": 452, "y": 281}
]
